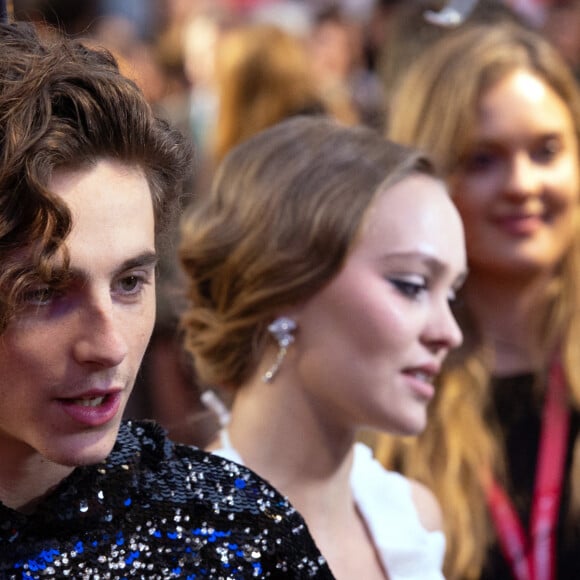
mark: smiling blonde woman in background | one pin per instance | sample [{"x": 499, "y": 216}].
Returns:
[{"x": 499, "y": 111}]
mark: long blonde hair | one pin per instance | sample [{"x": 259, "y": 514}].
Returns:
[{"x": 435, "y": 108}]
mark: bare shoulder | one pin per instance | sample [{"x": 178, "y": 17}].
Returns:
[{"x": 428, "y": 508}]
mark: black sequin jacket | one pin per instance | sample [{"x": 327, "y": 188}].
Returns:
[{"x": 158, "y": 510}]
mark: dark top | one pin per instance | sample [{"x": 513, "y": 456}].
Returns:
[
  {"x": 519, "y": 411},
  {"x": 158, "y": 510}
]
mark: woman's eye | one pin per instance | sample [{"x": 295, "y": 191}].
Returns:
[
  {"x": 409, "y": 288},
  {"x": 480, "y": 161},
  {"x": 547, "y": 150}
]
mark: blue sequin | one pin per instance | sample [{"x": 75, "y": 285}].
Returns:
[
  {"x": 257, "y": 567},
  {"x": 132, "y": 557}
]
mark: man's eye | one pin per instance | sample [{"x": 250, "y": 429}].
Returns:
[
  {"x": 408, "y": 288},
  {"x": 130, "y": 284},
  {"x": 39, "y": 296}
]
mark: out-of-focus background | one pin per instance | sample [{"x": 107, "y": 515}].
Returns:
[{"x": 220, "y": 70}]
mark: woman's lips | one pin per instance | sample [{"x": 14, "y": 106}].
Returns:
[
  {"x": 520, "y": 225},
  {"x": 421, "y": 383}
]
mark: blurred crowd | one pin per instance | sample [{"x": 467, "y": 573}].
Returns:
[{"x": 221, "y": 70}]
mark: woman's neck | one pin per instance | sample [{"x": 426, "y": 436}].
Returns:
[
  {"x": 507, "y": 312},
  {"x": 286, "y": 438}
]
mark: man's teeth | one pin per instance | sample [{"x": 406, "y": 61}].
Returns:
[{"x": 94, "y": 402}]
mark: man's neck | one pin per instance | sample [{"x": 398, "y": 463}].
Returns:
[{"x": 24, "y": 483}]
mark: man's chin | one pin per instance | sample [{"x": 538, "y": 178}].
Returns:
[{"x": 85, "y": 450}]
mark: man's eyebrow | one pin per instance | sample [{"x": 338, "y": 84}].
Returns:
[{"x": 146, "y": 259}]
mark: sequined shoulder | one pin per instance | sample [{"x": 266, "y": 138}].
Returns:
[{"x": 157, "y": 510}]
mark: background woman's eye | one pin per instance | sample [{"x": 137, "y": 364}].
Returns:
[
  {"x": 547, "y": 150},
  {"x": 479, "y": 160}
]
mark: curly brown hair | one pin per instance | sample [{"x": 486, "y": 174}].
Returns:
[{"x": 64, "y": 105}]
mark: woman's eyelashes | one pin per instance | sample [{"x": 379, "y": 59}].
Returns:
[
  {"x": 410, "y": 287},
  {"x": 413, "y": 287}
]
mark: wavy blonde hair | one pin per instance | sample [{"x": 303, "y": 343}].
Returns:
[{"x": 435, "y": 109}]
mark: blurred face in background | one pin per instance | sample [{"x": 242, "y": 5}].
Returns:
[{"x": 518, "y": 186}]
